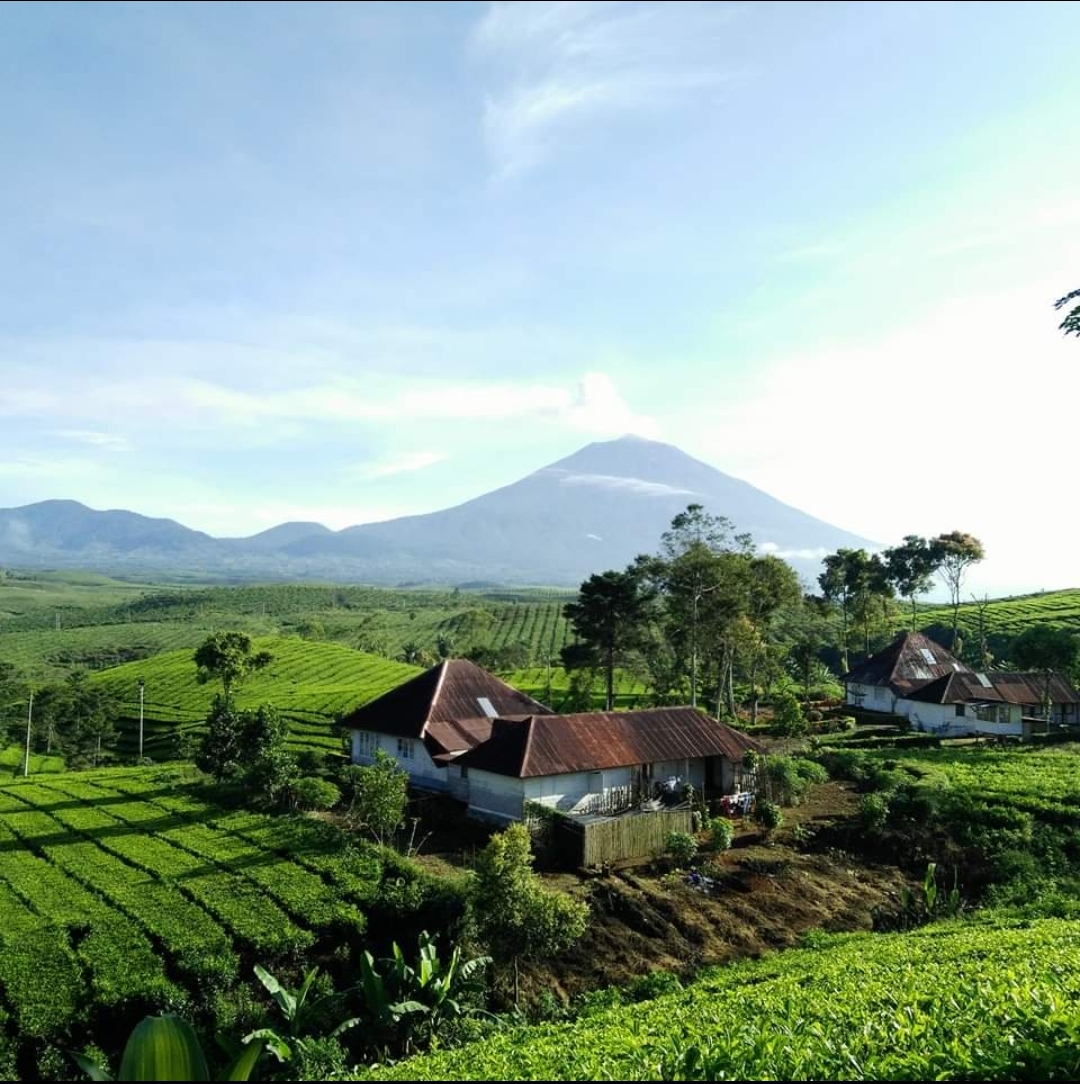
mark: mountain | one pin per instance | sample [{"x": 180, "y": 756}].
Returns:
[{"x": 593, "y": 510}]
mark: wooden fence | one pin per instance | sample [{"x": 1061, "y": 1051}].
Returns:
[{"x": 585, "y": 843}]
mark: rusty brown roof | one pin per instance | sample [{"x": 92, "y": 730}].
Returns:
[
  {"x": 1029, "y": 688},
  {"x": 957, "y": 688},
  {"x": 557, "y": 744},
  {"x": 909, "y": 662},
  {"x": 447, "y": 694}
]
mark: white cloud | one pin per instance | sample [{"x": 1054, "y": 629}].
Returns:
[
  {"x": 570, "y": 62},
  {"x": 964, "y": 419},
  {"x": 112, "y": 442},
  {"x": 613, "y": 481},
  {"x": 402, "y": 464}
]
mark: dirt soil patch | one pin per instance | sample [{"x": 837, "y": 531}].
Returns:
[{"x": 765, "y": 894}]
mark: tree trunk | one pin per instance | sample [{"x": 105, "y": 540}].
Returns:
[{"x": 610, "y": 700}]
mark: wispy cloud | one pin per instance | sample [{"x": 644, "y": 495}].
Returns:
[
  {"x": 112, "y": 442},
  {"x": 402, "y": 464},
  {"x": 619, "y": 482},
  {"x": 564, "y": 63}
]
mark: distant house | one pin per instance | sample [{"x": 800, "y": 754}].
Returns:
[
  {"x": 459, "y": 729},
  {"x": 919, "y": 679}
]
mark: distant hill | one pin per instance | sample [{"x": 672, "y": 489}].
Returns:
[{"x": 596, "y": 509}]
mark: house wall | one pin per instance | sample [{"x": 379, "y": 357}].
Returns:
[
  {"x": 942, "y": 719},
  {"x": 870, "y": 697},
  {"x": 423, "y": 771},
  {"x": 495, "y": 797}
]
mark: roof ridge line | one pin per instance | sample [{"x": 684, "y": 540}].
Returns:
[
  {"x": 528, "y": 746},
  {"x": 443, "y": 667}
]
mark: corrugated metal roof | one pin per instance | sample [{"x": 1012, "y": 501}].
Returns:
[
  {"x": 903, "y": 666},
  {"x": 955, "y": 689},
  {"x": 1029, "y": 688},
  {"x": 448, "y": 693},
  {"x": 556, "y": 744}
]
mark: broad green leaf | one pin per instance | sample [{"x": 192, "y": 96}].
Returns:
[{"x": 163, "y": 1048}]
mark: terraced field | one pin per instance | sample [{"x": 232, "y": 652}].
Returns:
[
  {"x": 1007, "y": 617},
  {"x": 552, "y": 687},
  {"x": 957, "y": 1002},
  {"x": 124, "y": 892},
  {"x": 310, "y": 683}
]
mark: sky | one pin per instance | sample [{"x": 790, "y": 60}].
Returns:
[{"x": 269, "y": 262}]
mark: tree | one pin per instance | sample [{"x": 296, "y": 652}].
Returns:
[
  {"x": 1071, "y": 324},
  {"x": 79, "y": 719},
  {"x": 954, "y": 554},
  {"x": 609, "y": 618},
  {"x": 268, "y": 766},
  {"x": 516, "y": 916},
  {"x": 910, "y": 568},
  {"x": 229, "y": 657},
  {"x": 377, "y": 795},
  {"x": 220, "y": 753},
  {"x": 845, "y": 582},
  {"x": 1043, "y": 647}
]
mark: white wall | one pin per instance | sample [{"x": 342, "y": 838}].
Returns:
[
  {"x": 871, "y": 697},
  {"x": 495, "y": 797},
  {"x": 423, "y": 771},
  {"x": 942, "y": 719}
]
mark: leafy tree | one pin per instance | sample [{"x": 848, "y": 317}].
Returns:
[
  {"x": 221, "y": 751},
  {"x": 609, "y": 617},
  {"x": 229, "y": 657},
  {"x": 956, "y": 552},
  {"x": 377, "y": 795},
  {"x": 846, "y": 582},
  {"x": 1071, "y": 324},
  {"x": 269, "y": 768},
  {"x": 788, "y": 718},
  {"x": 910, "y": 568},
  {"x": 1043, "y": 647},
  {"x": 79, "y": 718},
  {"x": 516, "y": 916}
]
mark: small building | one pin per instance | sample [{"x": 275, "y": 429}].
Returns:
[
  {"x": 908, "y": 663},
  {"x": 459, "y": 729},
  {"x": 600, "y": 762},
  {"x": 443, "y": 712},
  {"x": 920, "y": 680}
]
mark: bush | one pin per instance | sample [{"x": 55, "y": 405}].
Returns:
[
  {"x": 768, "y": 814},
  {"x": 873, "y": 811},
  {"x": 311, "y": 792},
  {"x": 721, "y": 833},
  {"x": 787, "y": 715},
  {"x": 654, "y": 984},
  {"x": 682, "y": 847}
]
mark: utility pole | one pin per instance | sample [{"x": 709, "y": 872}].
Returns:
[
  {"x": 29, "y": 722},
  {"x": 142, "y": 690}
]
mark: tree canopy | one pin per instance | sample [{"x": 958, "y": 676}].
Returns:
[
  {"x": 229, "y": 657},
  {"x": 1071, "y": 323}
]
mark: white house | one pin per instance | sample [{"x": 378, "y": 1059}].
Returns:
[
  {"x": 442, "y": 712},
  {"x": 459, "y": 729},
  {"x": 600, "y": 761},
  {"x": 917, "y": 678}
]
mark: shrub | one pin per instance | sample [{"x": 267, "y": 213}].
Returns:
[
  {"x": 768, "y": 814},
  {"x": 682, "y": 847},
  {"x": 787, "y": 715},
  {"x": 721, "y": 833},
  {"x": 873, "y": 811},
  {"x": 311, "y": 792},
  {"x": 654, "y": 984}
]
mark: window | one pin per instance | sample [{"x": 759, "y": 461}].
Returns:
[
  {"x": 366, "y": 743},
  {"x": 959, "y": 709},
  {"x": 406, "y": 749},
  {"x": 879, "y": 692},
  {"x": 464, "y": 769}
]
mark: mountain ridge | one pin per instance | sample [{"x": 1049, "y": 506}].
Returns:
[{"x": 593, "y": 509}]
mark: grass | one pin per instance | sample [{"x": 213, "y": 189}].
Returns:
[
  {"x": 132, "y": 891},
  {"x": 311, "y": 684},
  {"x": 970, "y": 1002}
]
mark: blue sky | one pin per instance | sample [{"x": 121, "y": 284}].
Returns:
[{"x": 262, "y": 262}]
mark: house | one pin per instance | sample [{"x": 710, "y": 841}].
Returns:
[
  {"x": 459, "y": 729},
  {"x": 443, "y": 712},
  {"x": 907, "y": 664},
  {"x": 919, "y": 679},
  {"x": 596, "y": 762}
]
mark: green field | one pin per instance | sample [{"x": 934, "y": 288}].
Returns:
[
  {"x": 311, "y": 684},
  {"x": 968, "y": 1002},
  {"x": 126, "y": 891},
  {"x": 1006, "y": 618}
]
